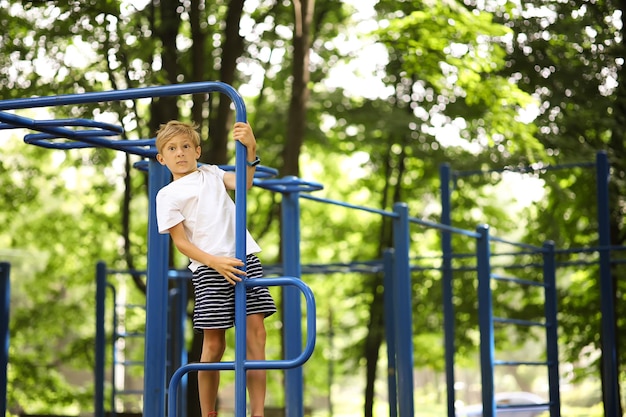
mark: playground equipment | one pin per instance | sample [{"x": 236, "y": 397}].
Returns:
[
  {"x": 5, "y": 281},
  {"x": 155, "y": 346},
  {"x": 397, "y": 265},
  {"x": 610, "y": 392}
]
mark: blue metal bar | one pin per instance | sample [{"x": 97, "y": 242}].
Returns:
[
  {"x": 520, "y": 281},
  {"x": 523, "y": 170},
  {"x": 485, "y": 321},
  {"x": 388, "y": 284},
  {"x": 129, "y": 94},
  {"x": 610, "y": 392},
  {"x": 518, "y": 322},
  {"x": 113, "y": 347},
  {"x": 516, "y": 363},
  {"x": 516, "y": 244},
  {"x": 5, "y": 307},
  {"x": 84, "y": 139},
  {"x": 447, "y": 276},
  {"x": 241, "y": 206},
  {"x": 552, "y": 338},
  {"x": 275, "y": 364},
  {"x": 292, "y": 333},
  {"x": 440, "y": 226},
  {"x": 156, "y": 301},
  {"x": 289, "y": 184},
  {"x": 348, "y": 205},
  {"x": 402, "y": 297},
  {"x": 104, "y": 128},
  {"x": 101, "y": 285},
  {"x": 177, "y": 333}
]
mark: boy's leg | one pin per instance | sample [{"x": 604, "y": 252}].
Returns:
[
  {"x": 255, "y": 378},
  {"x": 213, "y": 345}
]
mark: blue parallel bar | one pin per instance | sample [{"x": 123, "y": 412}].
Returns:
[
  {"x": 156, "y": 301},
  {"x": 5, "y": 278},
  {"x": 276, "y": 364},
  {"x": 402, "y": 297},
  {"x": 101, "y": 285},
  {"x": 610, "y": 392},
  {"x": 485, "y": 321},
  {"x": 292, "y": 333},
  {"x": 447, "y": 276},
  {"x": 389, "y": 335},
  {"x": 241, "y": 207},
  {"x": 552, "y": 337}
]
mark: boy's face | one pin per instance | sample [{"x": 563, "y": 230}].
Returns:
[{"x": 180, "y": 155}]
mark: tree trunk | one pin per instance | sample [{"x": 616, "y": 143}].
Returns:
[
  {"x": 296, "y": 123},
  {"x": 198, "y": 58},
  {"x": 216, "y": 150},
  {"x": 164, "y": 109},
  {"x": 373, "y": 341}
]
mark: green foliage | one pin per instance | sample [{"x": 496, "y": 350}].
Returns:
[{"x": 53, "y": 257}]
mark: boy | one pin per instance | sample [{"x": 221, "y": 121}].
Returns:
[{"x": 199, "y": 214}]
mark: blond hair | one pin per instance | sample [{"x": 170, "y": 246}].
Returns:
[{"x": 176, "y": 128}]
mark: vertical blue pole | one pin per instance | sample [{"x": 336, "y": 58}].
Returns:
[
  {"x": 156, "y": 301},
  {"x": 402, "y": 296},
  {"x": 5, "y": 278},
  {"x": 113, "y": 347},
  {"x": 182, "y": 351},
  {"x": 610, "y": 392},
  {"x": 101, "y": 285},
  {"x": 241, "y": 192},
  {"x": 292, "y": 335},
  {"x": 176, "y": 340},
  {"x": 485, "y": 321},
  {"x": 446, "y": 271},
  {"x": 551, "y": 309},
  {"x": 388, "y": 284}
]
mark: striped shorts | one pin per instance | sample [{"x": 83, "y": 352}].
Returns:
[{"x": 214, "y": 306}]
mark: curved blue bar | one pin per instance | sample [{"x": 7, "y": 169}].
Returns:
[
  {"x": 245, "y": 365},
  {"x": 90, "y": 139},
  {"x": 57, "y": 129},
  {"x": 129, "y": 94},
  {"x": 290, "y": 184},
  {"x": 34, "y": 124}
]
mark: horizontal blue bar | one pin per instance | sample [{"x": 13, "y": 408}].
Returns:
[
  {"x": 447, "y": 228},
  {"x": 519, "y": 322},
  {"x": 118, "y": 95},
  {"x": 520, "y": 281},
  {"x": 517, "y": 363},
  {"x": 348, "y": 205}
]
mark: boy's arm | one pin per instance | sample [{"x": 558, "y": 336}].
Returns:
[
  {"x": 224, "y": 265},
  {"x": 243, "y": 133}
]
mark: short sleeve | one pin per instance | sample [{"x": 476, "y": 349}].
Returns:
[
  {"x": 167, "y": 213},
  {"x": 214, "y": 169}
]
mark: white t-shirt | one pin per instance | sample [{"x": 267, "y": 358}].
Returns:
[{"x": 200, "y": 200}]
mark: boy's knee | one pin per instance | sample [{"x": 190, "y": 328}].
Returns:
[{"x": 212, "y": 350}]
